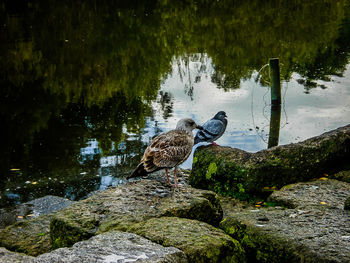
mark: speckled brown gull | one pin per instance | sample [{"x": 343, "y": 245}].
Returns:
[{"x": 168, "y": 150}]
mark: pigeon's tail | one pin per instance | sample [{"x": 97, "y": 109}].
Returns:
[{"x": 139, "y": 171}]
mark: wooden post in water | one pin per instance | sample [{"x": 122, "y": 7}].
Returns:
[
  {"x": 275, "y": 81},
  {"x": 275, "y": 118}
]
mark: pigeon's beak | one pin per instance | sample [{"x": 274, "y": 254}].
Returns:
[
  {"x": 199, "y": 127},
  {"x": 225, "y": 115}
]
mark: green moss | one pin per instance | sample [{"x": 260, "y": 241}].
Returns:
[
  {"x": 221, "y": 176},
  {"x": 63, "y": 234},
  {"x": 201, "y": 242},
  {"x": 211, "y": 170},
  {"x": 261, "y": 246},
  {"x": 29, "y": 236},
  {"x": 347, "y": 204},
  {"x": 243, "y": 175},
  {"x": 341, "y": 176}
]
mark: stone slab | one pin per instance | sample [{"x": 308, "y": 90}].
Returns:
[
  {"x": 311, "y": 231},
  {"x": 114, "y": 247},
  {"x": 122, "y": 206}
]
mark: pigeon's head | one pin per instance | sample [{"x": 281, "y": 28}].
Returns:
[
  {"x": 187, "y": 124},
  {"x": 221, "y": 115}
]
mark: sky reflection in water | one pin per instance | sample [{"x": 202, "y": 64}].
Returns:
[{"x": 248, "y": 108}]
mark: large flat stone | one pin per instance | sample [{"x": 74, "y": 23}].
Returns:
[
  {"x": 113, "y": 247},
  {"x": 316, "y": 229},
  {"x": 240, "y": 174},
  {"x": 120, "y": 207},
  {"x": 200, "y": 241},
  {"x": 328, "y": 193}
]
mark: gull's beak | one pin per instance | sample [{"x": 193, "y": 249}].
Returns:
[{"x": 199, "y": 127}]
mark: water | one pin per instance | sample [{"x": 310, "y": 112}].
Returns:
[{"x": 85, "y": 86}]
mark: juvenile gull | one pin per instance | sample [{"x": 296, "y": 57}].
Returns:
[
  {"x": 213, "y": 129},
  {"x": 168, "y": 150}
]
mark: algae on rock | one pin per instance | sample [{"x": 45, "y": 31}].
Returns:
[
  {"x": 114, "y": 246},
  {"x": 120, "y": 207},
  {"x": 240, "y": 174},
  {"x": 28, "y": 236},
  {"x": 200, "y": 241},
  {"x": 314, "y": 229}
]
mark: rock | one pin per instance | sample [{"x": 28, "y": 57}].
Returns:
[
  {"x": 120, "y": 207},
  {"x": 200, "y": 241},
  {"x": 7, "y": 218},
  {"x": 329, "y": 193},
  {"x": 29, "y": 236},
  {"x": 11, "y": 216},
  {"x": 48, "y": 204},
  {"x": 237, "y": 173},
  {"x": 310, "y": 232},
  {"x": 13, "y": 257},
  {"x": 32, "y": 209},
  {"x": 342, "y": 176},
  {"x": 111, "y": 247}
]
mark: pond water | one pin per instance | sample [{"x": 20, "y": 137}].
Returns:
[{"x": 86, "y": 85}]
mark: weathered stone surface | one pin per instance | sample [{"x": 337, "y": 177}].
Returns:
[
  {"x": 7, "y": 217},
  {"x": 115, "y": 247},
  {"x": 118, "y": 208},
  {"x": 234, "y": 172},
  {"x": 310, "y": 232},
  {"x": 29, "y": 236},
  {"x": 200, "y": 241},
  {"x": 13, "y": 257},
  {"x": 48, "y": 204},
  {"x": 32, "y": 209},
  {"x": 329, "y": 193}
]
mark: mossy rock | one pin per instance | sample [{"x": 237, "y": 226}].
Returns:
[
  {"x": 200, "y": 241},
  {"x": 259, "y": 245},
  {"x": 342, "y": 176},
  {"x": 120, "y": 207},
  {"x": 28, "y": 236},
  {"x": 114, "y": 246},
  {"x": 347, "y": 204},
  {"x": 314, "y": 228},
  {"x": 240, "y": 174}
]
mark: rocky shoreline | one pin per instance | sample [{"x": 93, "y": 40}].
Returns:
[{"x": 148, "y": 221}]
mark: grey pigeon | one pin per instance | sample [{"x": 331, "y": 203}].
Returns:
[{"x": 213, "y": 129}]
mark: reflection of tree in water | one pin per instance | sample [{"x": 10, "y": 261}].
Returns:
[
  {"x": 191, "y": 68},
  {"x": 225, "y": 82},
  {"x": 166, "y": 103},
  {"x": 71, "y": 72}
]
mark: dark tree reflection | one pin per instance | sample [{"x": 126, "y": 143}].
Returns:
[{"x": 72, "y": 72}]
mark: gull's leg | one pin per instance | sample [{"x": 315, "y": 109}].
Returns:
[
  {"x": 175, "y": 177},
  {"x": 167, "y": 176}
]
